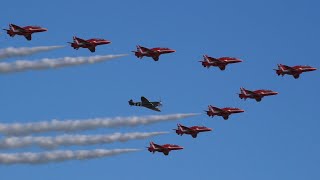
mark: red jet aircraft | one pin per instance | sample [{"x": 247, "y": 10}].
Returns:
[
  {"x": 224, "y": 112},
  {"x": 90, "y": 43},
  {"x": 221, "y": 62},
  {"x": 295, "y": 71},
  {"x": 165, "y": 149},
  {"x": 257, "y": 94},
  {"x": 193, "y": 131},
  {"x": 154, "y": 52},
  {"x": 26, "y": 31}
]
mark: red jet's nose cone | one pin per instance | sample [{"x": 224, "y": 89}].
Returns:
[
  {"x": 171, "y": 50},
  {"x": 236, "y": 60},
  {"x": 313, "y": 69},
  {"x": 106, "y": 42}
]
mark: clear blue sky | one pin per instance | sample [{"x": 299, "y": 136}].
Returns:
[{"x": 275, "y": 139}]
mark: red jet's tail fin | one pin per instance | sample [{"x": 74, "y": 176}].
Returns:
[
  {"x": 206, "y": 59},
  {"x": 243, "y": 91},
  {"x": 139, "y": 49},
  {"x": 152, "y": 145},
  {"x": 11, "y": 26},
  {"x": 75, "y": 39},
  {"x": 280, "y": 67}
]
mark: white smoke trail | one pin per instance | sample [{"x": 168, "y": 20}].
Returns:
[
  {"x": 69, "y": 140},
  {"x": 25, "y": 51},
  {"x": 19, "y": 129},
  {"x": 59, "y": 156},
  {"x": 23, "y": 65}
]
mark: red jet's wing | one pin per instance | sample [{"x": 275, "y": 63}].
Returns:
[
  {"x": 158, "y": 146},
  {"x": 250, "y": 92},
  {"x": 144, "y": 49},
  {"x": 155, "y": 57},
  {"x": 187, "y": 128},
  {"x": 288, "y": 67},
  {"x": 92, "y": 48},
  {"x": 82, "y": 41},
  {"x": 28, "y": 37},
  {"x": 13, "y": 26},
  {"x": 211, "y": 59},
  {"x": 216, "y": 109}
]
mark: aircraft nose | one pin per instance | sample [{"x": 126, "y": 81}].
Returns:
[
  {"x": 172, "y": 50},
  {"x": 106, "y": 42},
  {"x": 44, "y": 29}
]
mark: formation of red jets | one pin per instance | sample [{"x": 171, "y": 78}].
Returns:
[
  {"x": 155, "y": 53},
  {"x": 166, "y": 148}
]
